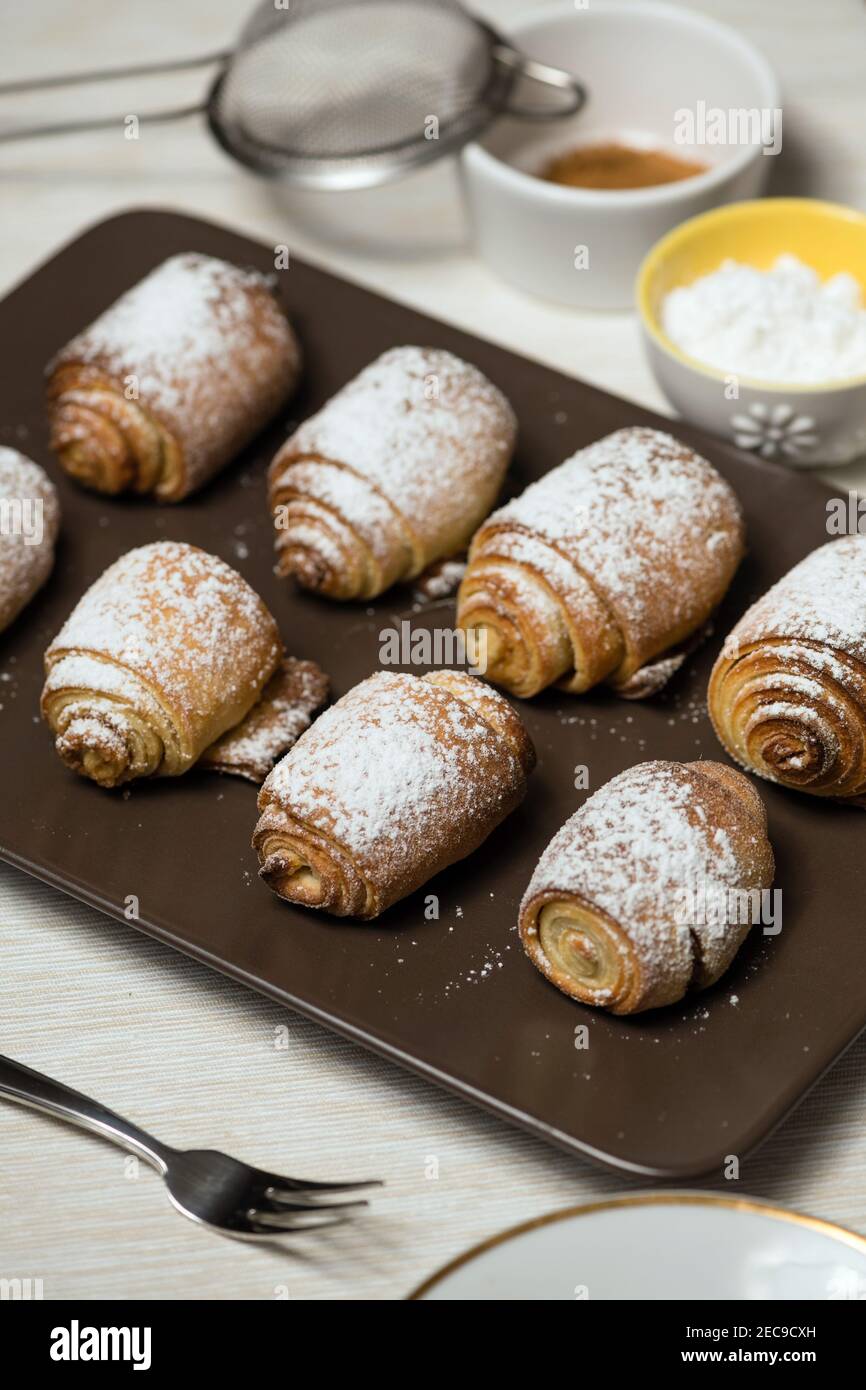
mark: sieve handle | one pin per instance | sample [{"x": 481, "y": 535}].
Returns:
[
  {"x": 176, "y": 113},
  {"x": 556, "y": 79},
  {"x": 77, "y": 79}
]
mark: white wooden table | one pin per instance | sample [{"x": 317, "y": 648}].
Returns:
[{"x": 185, "y": 1052}]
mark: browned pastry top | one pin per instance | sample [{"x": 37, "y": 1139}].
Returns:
[
  {"x": 649, "y": 522},
  {"x": 395, "y": 769},
  {"x": 493, "y": 708},
  {"x": 203, "y": 347},
  {"x": 428, "y": 431},
  {"x": 821, "y": 600},
  {"x": 177, "y": 618},
  {"x": 30, "y": 526}
]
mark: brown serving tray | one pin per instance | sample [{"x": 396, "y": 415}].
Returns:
[{"x": 667, "y": 1094}]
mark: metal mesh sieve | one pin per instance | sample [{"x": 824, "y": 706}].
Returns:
[
  {"x": 340, "y": 93},
  {"x": 345, "y": 93}
]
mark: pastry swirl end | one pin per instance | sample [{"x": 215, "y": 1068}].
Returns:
[
  {"x": 106, "y": 441},
  {"x": 793, "y": 715},
  {"x": 306, "y": 867},
  {"x": 585, "y": 954},
  {"x": 168, "y": 650},
  {"x": 603, "y": 568},
  {"x": 787, "y": 695},
  {"x": 106, "y": 745},
  {"x": 648, "y": 891}
]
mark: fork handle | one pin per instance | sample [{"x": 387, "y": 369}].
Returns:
[{"x": 27, "y": 1087}]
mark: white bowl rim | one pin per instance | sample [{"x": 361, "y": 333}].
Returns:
[
  {"x": 630, "y": 198},
  {"x": 688, "y": 1197}
]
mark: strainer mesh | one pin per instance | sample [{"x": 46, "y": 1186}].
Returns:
[{"x": 350, "y": 79}]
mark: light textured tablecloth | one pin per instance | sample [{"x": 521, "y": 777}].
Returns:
[{"x": 172, "y": 1045}]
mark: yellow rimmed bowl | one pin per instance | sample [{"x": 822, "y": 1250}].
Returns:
[{"x": 802, "y": 425}]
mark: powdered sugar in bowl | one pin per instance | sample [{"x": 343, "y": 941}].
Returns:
[{"x": 754, "y": 320}]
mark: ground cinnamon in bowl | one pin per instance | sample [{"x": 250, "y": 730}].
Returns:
[{"x": 618, "y": 166}]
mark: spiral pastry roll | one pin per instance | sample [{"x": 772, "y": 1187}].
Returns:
[
  {"x": 400, "y": 778},
  {"x": 165, "y": 652},
  {"x": 649, "y": 890},
  {"x": 171, "y": 382},
  {"x": 603, "y": 569},
  {"x": 29, "y": 522},
  {"x": 392, "y": 474},
  {"x": 787, "y": 695}
]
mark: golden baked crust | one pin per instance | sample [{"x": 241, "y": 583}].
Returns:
[
  {"x": 787, "y": 695},
  {"x": 170, "y": 383},
  {"x": 605, "y": 566},
  {"x": 400, "y": 778},
  {"x": 392, "y": 474},
  {"x": 165, "y": 652}
]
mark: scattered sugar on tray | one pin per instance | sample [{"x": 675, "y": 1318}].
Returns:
[{"x": 491, "y": 961}]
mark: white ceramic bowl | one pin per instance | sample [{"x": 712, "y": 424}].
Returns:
[
  {"x": 797, "y": 424},
  {"x": 642, "y": 64}
]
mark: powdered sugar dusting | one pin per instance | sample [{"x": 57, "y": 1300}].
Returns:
[
  {"x": 395, "y": 772},
  {"x": 425, "y": 431},
  {"x": 175, "y": 325},
  {"x": 650, "y": 523},
  {"x": 26, "y": 496},
  {"x": 634, "y": 850},
  {"x": 204, "y": 347},
  {"x": 440, "y": 581},
  {"x": 179, "y": 619},
  {"x": 286, "y": 709},
  {"x": 821, "y": 600}
]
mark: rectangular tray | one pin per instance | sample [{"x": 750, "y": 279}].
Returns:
[{"x": 666, "y": 1094}]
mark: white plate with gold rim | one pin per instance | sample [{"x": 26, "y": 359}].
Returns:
[{"x": 685, "y": 1245}]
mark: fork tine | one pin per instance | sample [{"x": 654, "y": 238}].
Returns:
[
  {"x": 277, "y": 1181},
  {"x": 298, "y": 1201},
  {"x": 276, "y": 1223}
]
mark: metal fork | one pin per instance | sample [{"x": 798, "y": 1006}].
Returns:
[{"x": 207, "y": 1186}]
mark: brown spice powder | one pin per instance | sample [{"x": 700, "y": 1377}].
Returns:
[{"x": 618, "y": 166}]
